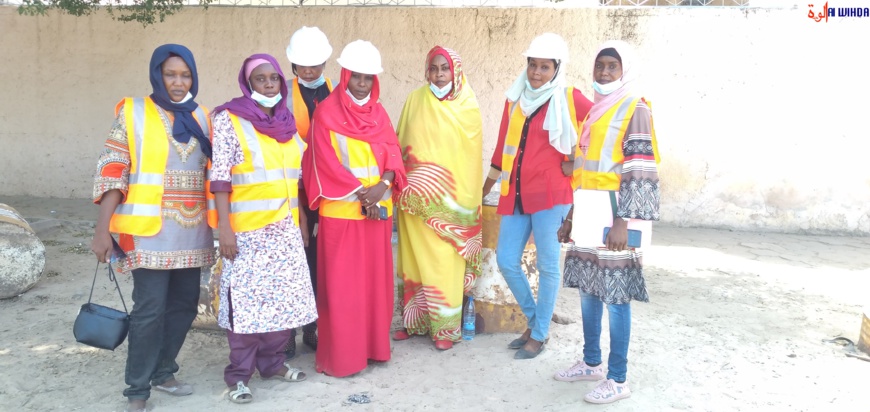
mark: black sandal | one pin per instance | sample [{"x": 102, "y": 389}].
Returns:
[
  {"x": 290, "y": 349},
  {"x": 524, "y": 354},
  {"x": 310, "y": 338},
  {"x": 520, "y": 342},
  {"x": 517, "y": 343}
]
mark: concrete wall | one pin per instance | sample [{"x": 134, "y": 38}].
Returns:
[{"x": 756, "y": 110}]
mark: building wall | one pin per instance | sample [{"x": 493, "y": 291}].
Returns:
[{"x": 756, "y": 110}]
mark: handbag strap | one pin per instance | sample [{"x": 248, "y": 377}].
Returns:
[
  {"x": 94, "y": 282},
  {"x": 113, "y": 278}
]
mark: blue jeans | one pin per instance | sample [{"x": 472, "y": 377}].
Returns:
[
  {"x": 592, "y": 310},
  {"x": 164, "y": 306},
  {"x": 512, "y": 238}
]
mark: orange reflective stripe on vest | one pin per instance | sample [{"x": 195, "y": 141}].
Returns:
[
  {"x": 266, "y": 184},
  {"x": 300, "y": 109},
  {"x": 141, "y": 212},
  {"x": 357, "y": 158}
]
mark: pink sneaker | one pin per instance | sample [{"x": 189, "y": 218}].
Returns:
[
  {"x": 608, "y": 391},
  {"x": 581, "y": 372}
]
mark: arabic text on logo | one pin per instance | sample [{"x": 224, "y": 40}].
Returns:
[{"x": 831, "y": 12}]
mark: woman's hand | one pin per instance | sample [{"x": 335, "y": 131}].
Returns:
[
  {"x": 487, "y": 186},
  {"x": 102, "y": 246},
  {"x": 303, "y": 225},
  {"x": 227, "y": 241},
  {"x": 564, "y": 232},
  {"x": 371, "y": 195},
  {"x": 617, "y": 238},
  {"x": 305, "y": 237},
  {"x": 568, "y": 168},
  {"x": 373, "y": 212},
  {"x": 102, "y": 243}
]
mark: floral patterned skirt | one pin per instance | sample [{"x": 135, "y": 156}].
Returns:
[{"x": 268, "y": 283}]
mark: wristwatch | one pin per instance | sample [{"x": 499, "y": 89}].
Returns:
[{"x": 387, "y": 182}]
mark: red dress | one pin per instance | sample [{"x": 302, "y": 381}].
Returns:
[{"x": 354, "y": 257}]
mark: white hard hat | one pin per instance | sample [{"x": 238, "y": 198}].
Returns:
[
  {"x": 308, "y": 47},
  {"x": 548, "y": 46},
  {"x": 362, "y": 57}
]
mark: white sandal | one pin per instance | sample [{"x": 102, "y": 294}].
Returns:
[
  {"x": 292, "y": 375},
  {"x": 242, "y": 394}
]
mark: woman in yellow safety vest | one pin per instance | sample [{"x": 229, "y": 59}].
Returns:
[
  {"x": 537, "y": 137},
  {"x": 352, "y": 169},
  {"x": 308, "y": 51},
  {"x": 265, "y": 286},
  {"x": 150, "y": 185},
  {"x": 616, "y": 171}
]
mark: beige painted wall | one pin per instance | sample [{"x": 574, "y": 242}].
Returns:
[{"x": 756, "y": 111}]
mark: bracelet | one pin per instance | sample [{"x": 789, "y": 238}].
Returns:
[{"x": 568, "y": 220}]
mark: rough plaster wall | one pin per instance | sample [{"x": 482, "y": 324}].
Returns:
[
  {"x": 755, "y": 131},
  {"x": 755, "y": 110}
]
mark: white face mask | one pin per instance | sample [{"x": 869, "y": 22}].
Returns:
[
  {"x": 440, "y": 92},
  {"x": 186, "y": 98},
  {"x": 266, "y": 101},
  {"x": 314, "y": 84},
  {"x": 359, "y": 102},
  {"x": 608, "y": 88}
]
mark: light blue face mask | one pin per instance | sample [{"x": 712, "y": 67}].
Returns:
[
  {"x": 608, "y": 88},
  {"x": 314, "y": 84},
  {"x": 266, "y": 101},
  {"x": 440, "y": 92}
]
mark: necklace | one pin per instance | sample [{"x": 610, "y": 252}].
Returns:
[{"x": 183, "y": 150}]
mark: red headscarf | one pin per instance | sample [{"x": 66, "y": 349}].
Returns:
[
  {"x": 455, "y": 63},
  {"x": 369, "y": 122},
  {"x": 323, "y": 174}
]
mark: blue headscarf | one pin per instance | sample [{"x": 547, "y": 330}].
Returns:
[{"x": 184, "y": 125}]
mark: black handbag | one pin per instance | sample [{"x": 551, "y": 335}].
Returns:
[{"x": 100, "y": 326}]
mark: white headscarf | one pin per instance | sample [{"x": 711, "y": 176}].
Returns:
[{"x": 563, "y": 136}]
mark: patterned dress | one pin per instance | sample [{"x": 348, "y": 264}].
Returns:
[
  {"x": 617, "y": 277},
  {"x": 439, "y": 211},
  {"x": 184, "y": 239},
  {"x": 268, "y": 283}
]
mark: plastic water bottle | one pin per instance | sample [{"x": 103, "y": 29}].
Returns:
[{"x": 468, "y": 320}]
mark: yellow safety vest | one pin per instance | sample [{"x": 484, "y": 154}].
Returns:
[
  {"x": 141, "y": 212},
  {"x": 601, "y": 168},
  {"x": 266, "y": 184},
  {"x": 300, "y": 109},
  {"x": 357, "y": 157},
  {"x": 513, "y": 137}
]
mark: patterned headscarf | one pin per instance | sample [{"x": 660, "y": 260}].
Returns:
[{"x": 455, "y": 66}]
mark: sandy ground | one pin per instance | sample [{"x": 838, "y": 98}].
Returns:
[{"x": 736, "y": 322}]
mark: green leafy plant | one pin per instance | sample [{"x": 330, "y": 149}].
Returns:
[{"x": 146, "y": 12}]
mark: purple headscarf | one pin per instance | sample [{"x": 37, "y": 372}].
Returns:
[{"x": 281, "y": 126}]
